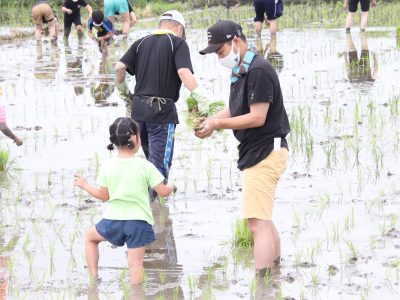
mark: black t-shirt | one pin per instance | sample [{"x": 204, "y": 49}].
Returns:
[
  {"x": 155, "y": 61},
  {"x": 260, "y": 84},
  {"x": 74, "y": 6}
]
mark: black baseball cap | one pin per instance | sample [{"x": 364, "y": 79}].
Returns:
[{"x": 221, "y": 32}]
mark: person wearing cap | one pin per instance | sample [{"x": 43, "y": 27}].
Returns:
[
  {"x": 161, "y": 63},
  {"x": 258, "y": 118},
  {"x": 105, "y": 30},
  {"x": 42, "y": 13},
  {"x": 118, "y": 7},
  {"x": 268, "y": 11},
  {"x": 72, "y": 15}
]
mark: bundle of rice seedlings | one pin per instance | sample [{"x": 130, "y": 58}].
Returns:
[{"x": 196, "y": 117}]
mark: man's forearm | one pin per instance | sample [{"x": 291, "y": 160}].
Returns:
[
  {"x": 120, "y": 69},
  {"x": 187, "y": 79},
  {"x": 225, "y": 113},
  {"x": 240, "y": 122}
]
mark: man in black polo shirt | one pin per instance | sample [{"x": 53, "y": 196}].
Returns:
[
  {"x": 161, "y": 63},
  {"x": 258, "y": 118}
]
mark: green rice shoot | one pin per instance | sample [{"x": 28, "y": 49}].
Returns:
[{"x": 242, "y": 236}]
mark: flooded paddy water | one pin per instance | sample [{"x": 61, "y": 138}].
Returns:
[{"x": 337, "y": 204}]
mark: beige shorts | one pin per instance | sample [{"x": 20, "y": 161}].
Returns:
[
  {"x": 259, "y": 185},
  {"x": 42, "y": 13}
]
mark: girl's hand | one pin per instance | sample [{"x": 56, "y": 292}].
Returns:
[{"x": 80, "y": 181}]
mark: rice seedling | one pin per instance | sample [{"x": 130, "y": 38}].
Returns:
[
  {"x": 398, "y": 37},
  {"x": 162, "y": 277},
  {"x": 195, "y": 116},
  {"x": 315, "y": 277},
  {"x": 175, "y": 295},
  {"x": 353, "y": 256},
  {"x": 280, "y": 293},
  {"x": 242, "y": 237},
  {"x": 298, "y": 257},
  {"x": 253, "y": 287},
  {"x": 192, "y": 283},
  {"x": 7, "y": 164}
]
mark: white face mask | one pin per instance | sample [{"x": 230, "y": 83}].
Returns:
[{"x": 231, "y": 60}]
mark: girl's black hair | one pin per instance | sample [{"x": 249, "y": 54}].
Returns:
[{"x": 121, "y": 131}]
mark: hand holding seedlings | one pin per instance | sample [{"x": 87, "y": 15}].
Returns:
[{"x": 206, "y": 128}]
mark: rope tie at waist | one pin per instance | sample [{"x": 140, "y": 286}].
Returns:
[{"x": 160, "y": 101}]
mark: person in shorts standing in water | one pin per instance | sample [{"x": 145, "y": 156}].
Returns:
[
  {"x": 43, "y": 13},
  {"x": 118, "y": 7},
  {"x": 259, "y": 121},
  {"x": 161, "y": 63},
  {"x": 72, "y": 15},
  {"x": 351, "y": 5},
  {"x": 267, "y": 11},
  {"x": 123, "y": 183}
]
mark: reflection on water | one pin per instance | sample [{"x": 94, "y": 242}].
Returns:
[
  {"x": 271, "y": 53},
  {"x": 102, "y": 90},
  {"x": 161, "y": 261},
  {"x": 47, "y": 61},
  {"x": 5, "y": 248},
  {"x": 74, "y": 71},
  {"x": 359, "y": 68},
  {"x": 198, "y": 221}
]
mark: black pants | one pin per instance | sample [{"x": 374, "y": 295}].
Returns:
[{"x": 354, "y": 3}]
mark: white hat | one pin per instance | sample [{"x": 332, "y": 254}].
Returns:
[{"x": 173, "y": 15}]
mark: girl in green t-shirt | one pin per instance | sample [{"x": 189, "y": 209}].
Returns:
[{"x": 123, "y": 183}]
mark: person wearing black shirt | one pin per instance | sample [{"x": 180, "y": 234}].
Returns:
[
  {"x": 161, "y": 63},
  {"x": 72, "y": 15},
  {"x": 259, "y": 121}
]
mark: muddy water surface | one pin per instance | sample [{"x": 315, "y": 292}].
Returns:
[{"x": 337, "y": 204}]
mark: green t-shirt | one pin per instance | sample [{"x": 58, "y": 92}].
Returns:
[{"x": 128, "y": 180}]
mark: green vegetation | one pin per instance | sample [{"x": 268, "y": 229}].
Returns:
[
  {"x": 242, "y": 236},
  {"x": 195, "y": 117},
  {"x": 6, "y": 163},
  {"x": 307, "y": 14}
]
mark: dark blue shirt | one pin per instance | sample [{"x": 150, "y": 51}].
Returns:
[{"x": 103, "y": 29}]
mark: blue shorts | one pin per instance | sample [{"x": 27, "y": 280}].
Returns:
[
  {"x": 135, "y": 233},
  {"x": 112, "y": 7},
  {"x": 273, "y": 9}
]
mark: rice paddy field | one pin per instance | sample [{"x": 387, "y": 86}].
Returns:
[{"x": 337, "y": 205}]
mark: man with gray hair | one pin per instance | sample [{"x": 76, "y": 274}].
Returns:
[{"x": 161, "y": 63}]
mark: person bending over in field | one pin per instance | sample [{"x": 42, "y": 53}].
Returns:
[
  {"x": 351, "y": 6},
  {"x": 105, "y": 31}
]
